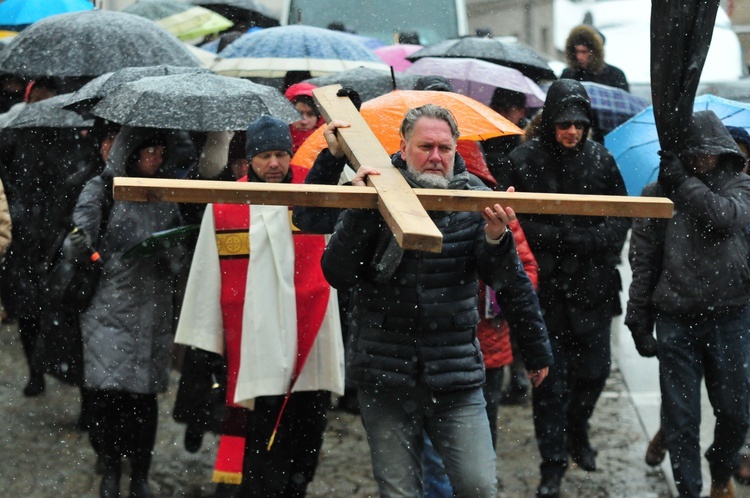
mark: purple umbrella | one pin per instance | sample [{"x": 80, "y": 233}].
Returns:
[{"x": 478, "y": 79}]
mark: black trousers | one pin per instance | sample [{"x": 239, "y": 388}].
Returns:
[
  {"x": 289, "y": 466},
  {"x": 124, "y": 424}
]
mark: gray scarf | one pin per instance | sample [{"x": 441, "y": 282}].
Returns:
[{"x": 388, "y": 254}]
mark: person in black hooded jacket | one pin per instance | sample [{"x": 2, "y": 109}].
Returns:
[
  {"x": 691, "y": 280},
  {"x": 578, "y": 281}
]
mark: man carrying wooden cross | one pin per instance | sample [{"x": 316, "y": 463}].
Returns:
[{"x": 413, "y": 351}]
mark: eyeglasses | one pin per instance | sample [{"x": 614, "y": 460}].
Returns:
[{"x": 567, "y": 124}]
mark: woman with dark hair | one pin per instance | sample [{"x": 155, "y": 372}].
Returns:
[{"x": 127, "y": 328}]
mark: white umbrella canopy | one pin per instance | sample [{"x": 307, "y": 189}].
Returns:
[{"x": 272, "y": 52}]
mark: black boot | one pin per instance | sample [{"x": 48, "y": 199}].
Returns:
[
  {"x": 193, "y": 438},
  {"x": 580, "y": 450},
  {"x": 110, "y": 485},
  {"x": 36, "y": 386},
  {"x": 139, "y": 487}
]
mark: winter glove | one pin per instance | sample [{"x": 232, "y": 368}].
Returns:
[
  {"x": 80, "y": 245},
  {"x": 671, "y": 170},
  {"x": 352, "y": 94},
  {"x": 579, "y": 241},
  {"x": 645, "y": 343}
]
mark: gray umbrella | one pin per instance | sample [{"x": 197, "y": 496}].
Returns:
[
  {"x": 369, "y": 83},
  {"x": 48, "y": 113},
  {"x": 197, "y": 102},
  {"x": 92, "y": 43},
  {"x": 505, "y": 53},
  {"x": 83, "y": 100}
]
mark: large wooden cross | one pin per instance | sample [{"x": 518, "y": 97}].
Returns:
[{"x": 403, "y": 208}]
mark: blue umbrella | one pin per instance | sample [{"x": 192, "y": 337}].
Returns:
[
  {"x": 272, "y": 52},
  {"x": 298, "y": 41},
  {"x": 635, "y": 144},
  {"x": 17, "y": 13}
]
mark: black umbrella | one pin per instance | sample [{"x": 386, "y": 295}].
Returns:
[
  {"x": 369, "y": 83},
  {"x": 511, "y": 54},
  {"x": 92, "y": 43},
  {"x": 83, "y": 100},
  {"x": 680, "y": 36},
  {"x": 48, "y": 113},
  {"x": 249, "y": 12},
  {"x": 197, "y": 102}
]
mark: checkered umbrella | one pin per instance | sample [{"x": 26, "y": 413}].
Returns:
[{"x": 612, "y": 106}]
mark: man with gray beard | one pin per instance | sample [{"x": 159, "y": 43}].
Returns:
[{"x": 413, "y": 351}]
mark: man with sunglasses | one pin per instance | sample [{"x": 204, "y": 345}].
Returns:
[{"x": 578, "y": 279}]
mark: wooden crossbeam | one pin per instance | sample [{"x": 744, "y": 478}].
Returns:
[
  {"x": 403, "y": 208},
  {"x": 398, "y": 202},
  {"x": 334, "y": 196}
]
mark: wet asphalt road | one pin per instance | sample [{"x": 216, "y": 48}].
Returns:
[{"x": 43, "y": 455}]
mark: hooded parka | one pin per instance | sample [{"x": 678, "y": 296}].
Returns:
[
  {"x": 597, "y": 71},
  {"x": 578, "y": 281},
  {"x": 705, "y": 275},
  {"x": 127, "y": 329}
]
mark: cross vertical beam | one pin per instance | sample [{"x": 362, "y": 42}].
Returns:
[{"x": 397, "y": 201}]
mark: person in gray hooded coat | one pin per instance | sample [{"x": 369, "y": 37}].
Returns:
[
  {"x": 691, "y": 280},
  {"x": 127, "y": 328}
]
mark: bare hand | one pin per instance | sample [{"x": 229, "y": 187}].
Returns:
[
  {"x": 498, "y": 218},
  {"x": 537, "y": 376},
  {"x": 360, "y": 180},
  {"x": 331, "y": 137}
]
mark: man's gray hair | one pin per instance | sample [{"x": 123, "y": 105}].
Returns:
[{"x": 428, "y": 111}]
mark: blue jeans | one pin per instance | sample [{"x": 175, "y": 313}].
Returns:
[
  {"x": 566, "y": 399},
  {"x": 436, "y": 483},
  {"x": 456, "y": 422},
  {"x": 689, "y": 349}
]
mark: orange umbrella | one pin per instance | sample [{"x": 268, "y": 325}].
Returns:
[{"x": 384, "y": 114}]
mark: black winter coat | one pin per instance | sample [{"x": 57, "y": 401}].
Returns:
[
  {"x": 414, "y": 313},
  {"x": 577, "y": 255},
  {"x": 695, "y": 263}
]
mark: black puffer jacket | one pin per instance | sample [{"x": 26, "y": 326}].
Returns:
[
  {"x": 695, "y": 263},
  {"x": 578, "y": 281},
  {"x": 414, "y": 313}
]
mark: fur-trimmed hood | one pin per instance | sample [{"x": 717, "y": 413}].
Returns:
[{"x": 589, "y": 37}]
